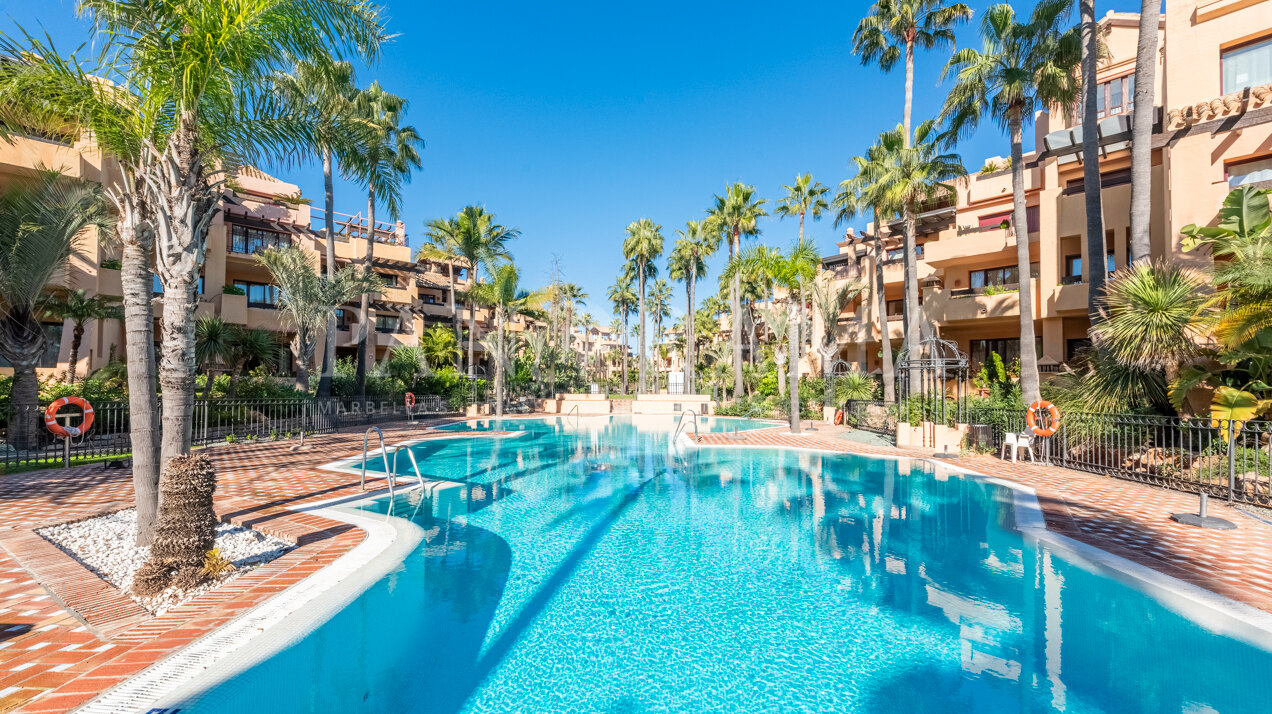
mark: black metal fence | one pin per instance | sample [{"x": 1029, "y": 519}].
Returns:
[
  {"x": 1223, "y": 458},
  {"x": 27, "y": 443}
]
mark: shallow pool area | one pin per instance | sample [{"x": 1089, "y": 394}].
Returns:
[{"x": 593, "y": 565}]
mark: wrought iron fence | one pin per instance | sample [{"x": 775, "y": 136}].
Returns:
[{"x": 27, "y": 443}]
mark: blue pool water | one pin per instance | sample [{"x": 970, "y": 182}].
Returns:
[{"x": 599, "y": 572}]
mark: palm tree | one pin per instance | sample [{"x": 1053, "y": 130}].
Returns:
[
  {"x": 737, "y": 213},
  {"x": 644, "y": 243},
  {"x": 383, "y": 163},
  {"x": 480, "y": 242},
  {"x": 322, "y": 90},
  {"x": 213, "y": 346},
  {"x": 41, "y": 219},
  {"x": 1153, "y": 317},
  {"x": 250, "y": 347},
  {"x": 1142, "y": 131},
  {"x": 1096, "y": 270},
  {"x": 914, "y": 174},
  {"x": 508, "y": 300},
  {"x": 659, "y": 306},
  {"x": 777, "y": 320},
  {"x": 1023, "y": 67},
  {"x": 861, "y": 192},
  {"x": 79, "y": 308},
  {"x": 805, "y": 198},
  {"x": 829, "y": 302},
  {"x": 570, "y": 296},
  {"x": 895, "y": 28},
  {"x": 307, "y": 299},
  {"x": 442, "y": 236},
  {"x": 440, "y": 346},
  {"x": 623, "y": 297},
  {"x": 688, "y": 262}
]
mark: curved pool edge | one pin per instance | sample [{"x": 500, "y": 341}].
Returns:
[
  {"x": 274, "y": 623},
  {"x": 1215, "y": 612}
]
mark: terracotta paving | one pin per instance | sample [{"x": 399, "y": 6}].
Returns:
[
  {"x": 1122, "y": 517},
  {"x": 66, "y": 636}
]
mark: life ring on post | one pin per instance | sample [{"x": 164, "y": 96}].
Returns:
[
  {"x": 65, "y": 432},
  {"x": 409, "y": 399},
  {"x": 1053, "y": 414},
  {"x": 839, "y": 417}
]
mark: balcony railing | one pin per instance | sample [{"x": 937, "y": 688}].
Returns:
[{"x": 355, "y": 226}]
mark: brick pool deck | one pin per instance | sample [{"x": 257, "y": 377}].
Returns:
[{"x": 67, "y": 636}]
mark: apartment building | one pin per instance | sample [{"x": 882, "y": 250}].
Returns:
[
  {"x": 1214, "y": 132},
  {"x": 257, "y": 211}
]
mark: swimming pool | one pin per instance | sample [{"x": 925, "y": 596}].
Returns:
[{"x": 602, "y": 570}]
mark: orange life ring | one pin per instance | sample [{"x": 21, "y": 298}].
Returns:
[
  {"x": 50, "y": 417},
  {"x": 410, "y": 400},
  {"x": 1031, "y": 417},
  {"x": 839, "y": 417}
]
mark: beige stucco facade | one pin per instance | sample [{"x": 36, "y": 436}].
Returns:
[{"x": 1206, "y": 144}]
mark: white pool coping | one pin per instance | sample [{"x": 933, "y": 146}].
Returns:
[{"x": 1214, "y": 612}]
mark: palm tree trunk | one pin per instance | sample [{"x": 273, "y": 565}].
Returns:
[
  {"x": 735, "y": 302},
  {"x": 329, "y": 340},
  {"x": 690, "y": 334},
  {"x": 77, "y": 337},
  {"x": 450, "y": 274},
  {"x": 499, "y": 363},
  {"x": 137, "y": 241},
  {"x": 472, "y": 315},
  {"x": 1142, "y": 132},
  {"x": 364, "y": 310},
  {"x": 626, "y": 347},
  {"x": 235, "y": 375},
  {"x": 1095, "y": 268},
  {"x": 881, "y": 309},
  {"x": 909, "y": 88},
  {"x": 210, "y": 378},
  {"x": 793, "y": 350},
  {"x": 1028, "y": 351},
  {"x": 25, "y": 397},
  {"x": 912, "y": 317},
  {"x": 640, "y": 382},
  {"x": 779, "y": 359}
]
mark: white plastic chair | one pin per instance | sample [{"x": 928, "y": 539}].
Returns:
[{"x": 1015, "y": 442}]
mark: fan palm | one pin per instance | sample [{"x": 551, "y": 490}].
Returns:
[
  {"x": 644, "y": 243},
  {"x": 508, "y": 300},
  {"x": 659, "y": 307},
  {"x": 1022, "y": 68},
  {"x": 623, "y": 297},
  {"x": 805, "y": 198},
  {"x": 322, "y": 90},
  {"x": 79, "y": 308},
  {"x": 213, "y": 347},
  {"x": 688, "y": 262},
  {"x": 893, "y": 29},
  {"x": 829, "y": 301},
  {"x": 440, "y": 346},
  {"x": 250, "y": 347},
  {"x": 382, "y": 163},
  {"x": 570, "y": 296},
  {"x": 306, "y": 299},
  {"x": 777, "y": 320},
  {"x": 481, "y": 243},
  {"x": 736, "y": 213},
  {"x": 1153, "y": 312},
  {"x": 41, "y": 220}
]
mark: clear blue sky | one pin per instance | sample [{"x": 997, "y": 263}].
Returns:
[{"x": 569, "y": 121}]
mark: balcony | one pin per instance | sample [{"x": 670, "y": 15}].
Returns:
[
  {"x": 973, "y": 245},
  {"x": 965, "y": 305},
  {"x": 1071, "y": 297}
]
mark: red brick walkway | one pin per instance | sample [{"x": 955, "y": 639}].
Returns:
[
  {"x": 1121, "y": 517},
  {"x": 66, "y": 636}
]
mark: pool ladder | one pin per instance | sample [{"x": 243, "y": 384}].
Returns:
[
  {"x": 574, "y": 412},
  {"x": 682, "y": 422},
  {"x": 391, "y": 475}
]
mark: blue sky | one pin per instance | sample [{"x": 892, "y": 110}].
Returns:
[{"x": 569, "y": 121}]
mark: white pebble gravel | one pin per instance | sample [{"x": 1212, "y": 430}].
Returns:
[{"x": 105, "y": 545}]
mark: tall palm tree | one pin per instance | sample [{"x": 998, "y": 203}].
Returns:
[
  {"x": 1096, "y": 271},
  {"x": 41, "y": 219},
  {"x": 443, "y": 245},
  {"x": 623, "y": 297},
  {"x": 306, "y": 298},
  {"x": 866, "y": 191},
  {"x": 570, "y": 296},
  {"x": 688, "y": 262},
  {"x": 1022, "y": 68},
  {"x": 644, "y": 243},
  {"x": 481, "y": 243},
  {"x": 893, "y": 29},
  {"x": 913, "y": 175},
  {"x": 659, "y": 306},
  {"x": 383, "y": 163},
  {"x": 736, "y": 213},
  {"x": 1142, "y": 131},
  {"x": 507, "y": 299},
  {"x": 322, "y": 91},
  {"x": 77, "y": 307},
  {"x": 440, "y": 346},
  {"x": 805, "y": 198}
]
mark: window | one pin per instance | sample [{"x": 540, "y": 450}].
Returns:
[
  {"x": 258, "y": 295},
  {"x": 1008, "y": 348},
  {"x": 1256, "y": 172},
  {"x": 896, "y": 254},
  {"x": 254, "y": 240},
  {"x": 1006, "y": 275},
  {"x": 430, "y": 299},
  {"x": 995, "y": 220},
  {"x": 52, "y": 344},
  {"x": 1073, "y": 267},
  {"x": 1247, "y": 66},
  {"x": 1116, "y": 96},
  {"x": 1108, "y": 179},
  {"x": 387, "y": 323},
  {"x": 156, "y": 284}
]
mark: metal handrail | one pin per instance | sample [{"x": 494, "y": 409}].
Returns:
[
  {"x": 574, "y": 411},
  {"x": 384, "y": 450},
  {"x": 414, "y": 463},
  {"x": 681, "y": 424}
]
